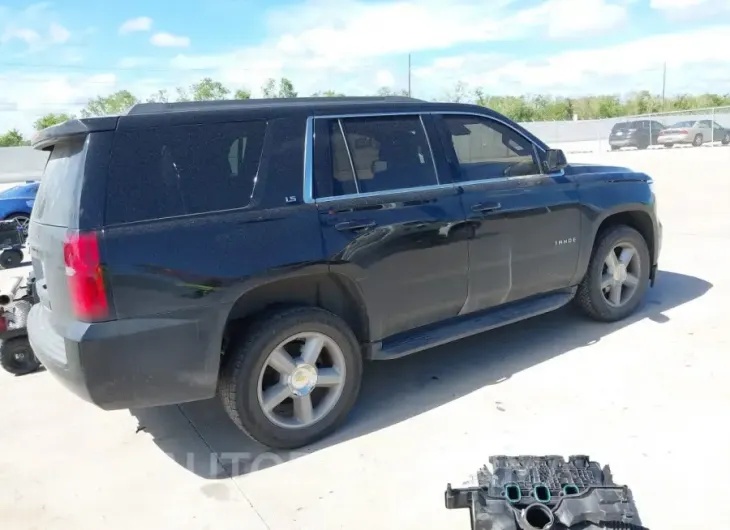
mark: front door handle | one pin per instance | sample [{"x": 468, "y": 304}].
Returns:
[
  {"x": 484, "y": 207},
  {"x": 354, "y": 225}
]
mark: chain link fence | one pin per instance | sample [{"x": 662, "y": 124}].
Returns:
[{"x": 706, "y": 127}]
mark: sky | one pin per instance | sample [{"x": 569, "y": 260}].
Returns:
[{"x": 54, "y": 56}]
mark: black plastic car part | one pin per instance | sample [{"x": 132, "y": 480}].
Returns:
[{"x": 545, "y": 492}]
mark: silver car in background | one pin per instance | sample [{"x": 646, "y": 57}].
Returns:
[{"x": 695, "y": 132}]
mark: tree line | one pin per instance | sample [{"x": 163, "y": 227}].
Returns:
[{"x": 524, "y": 108}]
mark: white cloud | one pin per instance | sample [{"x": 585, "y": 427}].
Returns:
[
  {"x": 565, "y": 20},
  {"x": 31, "y": 95},
  {"x": 135, "y": 24},
  {"x": 327, "y": 45},
  {"x": 59, "y": 34},
  {"x": 26, "y": 35},
  {"x": 633, "y": 65},
  {"x": 384, "y": 78},
  {"x": 168, "y": 40},
  {"x": 691, "y": 9}
]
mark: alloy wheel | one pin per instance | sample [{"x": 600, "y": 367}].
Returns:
[
  {"x": 302, "y": 380},
  {"x": 621, "y": 273}
]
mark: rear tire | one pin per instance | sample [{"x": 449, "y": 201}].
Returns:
[
  {"x": 17, "y": 357},
  {"x": 615, "y": 148},
  {"x": 668, "y": 145},
  {"x": 609, "y": 295},
  {"x": 255, "y": 371},
  {"x": 698, "y": 140}
]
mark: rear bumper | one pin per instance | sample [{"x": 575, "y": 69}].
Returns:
[
  {"x": 131, "y": 363},
  {"x": 674, "y": 139},
  {"x": 622, "y": 142}
]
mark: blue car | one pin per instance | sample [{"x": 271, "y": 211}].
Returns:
[{"x": 17, "y": 202}]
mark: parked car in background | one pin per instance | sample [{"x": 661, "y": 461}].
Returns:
[
  {"x": 16, "y": 203},
  {"x": 637, "y": 133},
  {"x": 718, "y": 132},
  {"x": 695, "y": 132}
]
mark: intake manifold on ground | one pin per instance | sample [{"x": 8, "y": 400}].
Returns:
[{"x": 545, "y": 493}]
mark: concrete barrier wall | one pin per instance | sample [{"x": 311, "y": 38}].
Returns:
[{"x": 598, "y": 130}]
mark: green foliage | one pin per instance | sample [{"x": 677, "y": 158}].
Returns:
[
  {"x": 161, "y": 96},
  {"x": 522, "y": 108},
  {"x": 387, "y": 91},
  {"x": 13, "y": 138},
  {"x": 204, "y": 90},
  {"x": 284, "y": 89},
  {"x": 110, "y": 105},
  {"x": 328, "y": 94},
  {"x": 51, "y": 119},
  {"x": 549, "y": 108}
]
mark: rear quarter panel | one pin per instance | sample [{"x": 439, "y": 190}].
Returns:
[{"x": 195, "y": 267}]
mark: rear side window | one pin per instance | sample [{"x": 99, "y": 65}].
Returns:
[
  {"x": 57, "y": 198},
  {"x": 183, "y": 169},
  {"x": 379, "y": 154}
]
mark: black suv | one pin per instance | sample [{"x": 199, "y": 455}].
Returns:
[
  {"x": 638, "y": 133},
  {"x": 264, "y": 249}
]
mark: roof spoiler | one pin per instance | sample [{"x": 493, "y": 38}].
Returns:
[{"x": 49, "y": 136}]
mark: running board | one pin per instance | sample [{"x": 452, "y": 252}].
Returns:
[{"x": 464, "y": 326}]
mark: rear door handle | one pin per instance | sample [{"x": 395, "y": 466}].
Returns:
[
  {"x": 486, "y": 207},
  {"x": 354, "y": 225}
]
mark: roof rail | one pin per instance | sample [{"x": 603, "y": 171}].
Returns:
[{"x": 157, "y": 108}]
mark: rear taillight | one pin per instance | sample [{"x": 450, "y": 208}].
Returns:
[
  {"x": 85, "y": 277},
  {"x": 682, "y": 131}
]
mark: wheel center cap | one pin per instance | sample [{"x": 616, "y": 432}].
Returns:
[
  {"x": 620, "y": 274},
  {"x": 303, "y": 380}
]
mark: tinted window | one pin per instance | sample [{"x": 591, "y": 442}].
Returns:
[
  {"x": 623, "y": 125},
  {"x": 185, "y": 169},
  {"x": 57, "y": 199},
  {"x": 488, "y": 149},
  {"x": 386, "y": 153}
]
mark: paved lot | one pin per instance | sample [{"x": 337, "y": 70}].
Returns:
[{"x": 649, "y": 396}]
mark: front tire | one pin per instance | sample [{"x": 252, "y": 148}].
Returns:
[
  {"x": 617, "y": 276},
  {"x": 725, "y": 139},
  {"x": 291, "y": 379}
]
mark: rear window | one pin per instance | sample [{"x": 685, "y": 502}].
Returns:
[
  {"x": 628, "y": 125},
  {"x": 184, "y": 169},
  {"x": 57, "y": 198}
]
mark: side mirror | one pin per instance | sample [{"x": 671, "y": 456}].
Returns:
[{"x": 555, "y": 160}]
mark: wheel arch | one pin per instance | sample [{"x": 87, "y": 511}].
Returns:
[
  {"x": 13, "y": 213},
  {"x": 633, "y": 216},
  {"x": 333, "y": 292}
]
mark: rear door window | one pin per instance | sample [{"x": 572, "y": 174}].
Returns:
[
  {"x": 184, "y": 169},
  {"x": 57, "y": 199},
  {"x": 377, "y": 154}
]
